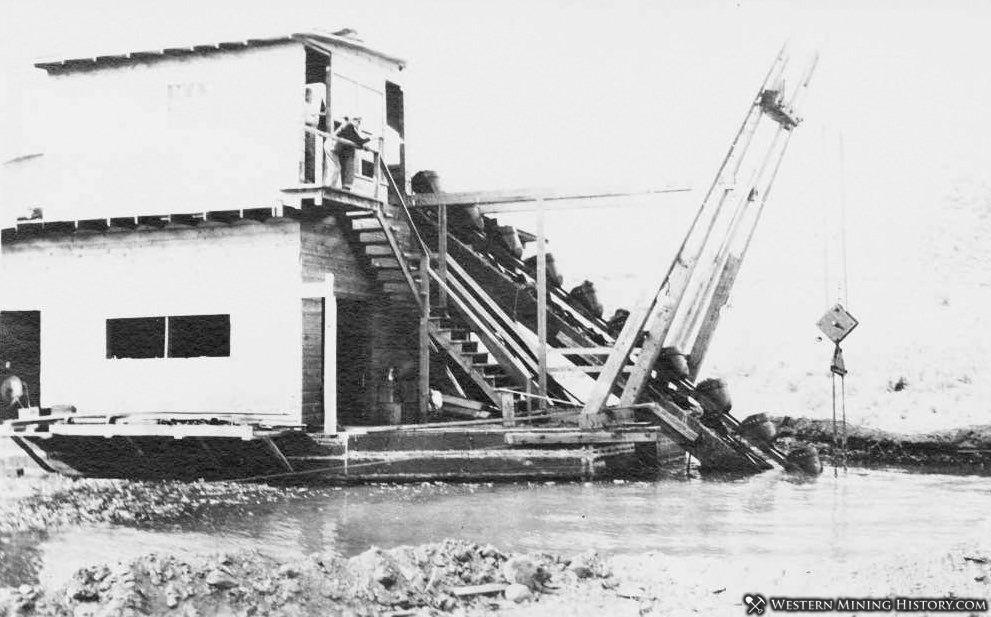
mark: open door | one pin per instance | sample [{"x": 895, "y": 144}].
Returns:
[
  {"x": 20, "y": 344},
  {"x": 353, "y": 355}
]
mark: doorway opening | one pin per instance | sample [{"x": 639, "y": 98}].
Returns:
[
  {"x": 315, "y": 105},
  {"x": 353, "y": 355},
  {"x": 20, "y": 345}
]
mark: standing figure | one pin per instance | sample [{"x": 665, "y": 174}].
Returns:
[
  {"x": 347, "y": 139},
  {"x": 315, "y": 104}
]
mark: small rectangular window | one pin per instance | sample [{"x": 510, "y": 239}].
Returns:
[
  {"x": 194, "y": 336},
  {"x": 141, "y": 337}
]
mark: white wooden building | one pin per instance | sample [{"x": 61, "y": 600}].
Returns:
[{"x": 168, "y": 266}]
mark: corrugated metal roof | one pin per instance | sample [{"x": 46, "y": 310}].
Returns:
[{"x": 323, "y": 41}]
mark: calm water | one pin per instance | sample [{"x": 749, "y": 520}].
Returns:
[{"x": 857, "y": 514}]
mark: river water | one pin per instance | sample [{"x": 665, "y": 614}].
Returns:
[{"x": 848, "y": 517}]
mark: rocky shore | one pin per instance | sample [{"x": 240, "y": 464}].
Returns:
[
  {"x": 469, "y": 580},
  {"x": 448, "y": 577}
]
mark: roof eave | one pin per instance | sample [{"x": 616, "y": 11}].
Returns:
[{"x": 320, "y": 39}]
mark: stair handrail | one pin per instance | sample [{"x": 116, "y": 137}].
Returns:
[
  {"x": 404, "y": 208},
  {"x": 498, "y": 347},
  {"x": 503, "y": 323}
]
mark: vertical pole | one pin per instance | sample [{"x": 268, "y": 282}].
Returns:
[
  {"x": 508, "y": 408},
  {"x": 329, "y": 357},
  {"x": 843, "y": 403},
  {"x": 442, "y": 258},
  {"x": 425, "y": 338},
  {"x": 832, "y": 376},
  {"x": 328, "y": 122},
  {"x": 377, "y": 174},
  {"x": 542, "y": 304}
]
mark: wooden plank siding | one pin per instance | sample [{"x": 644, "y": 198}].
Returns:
[
  {"x": 312, "y": 348},
  {"x": 391, "y": 340},
  {"x": 324, "y": 248}
]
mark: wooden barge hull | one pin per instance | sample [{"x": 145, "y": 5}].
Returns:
[{"x": 401, "y": 455}]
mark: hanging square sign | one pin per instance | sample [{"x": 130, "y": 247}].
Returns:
[{"x": 837, "y": 323}]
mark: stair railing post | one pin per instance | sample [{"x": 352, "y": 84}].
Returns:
[
  {"x": 424, "y": 388},
  {"x": 377, "y": 174},
  {"x": 508, "y": 407},
  {"x": 541, "y": 306},
  {"x": 442, "y": 250}
]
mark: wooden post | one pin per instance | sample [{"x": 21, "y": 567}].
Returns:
[
  {"x": 377, "y": 174},
  {"x": 329, "y": 356},
  {"x": 508, "y": 407},
  {"x": 328, "y": 123},
  {"x": 541, "y": 305},
  {"x": 442, "y": 249},
  {"x": 425, "y": 338}
]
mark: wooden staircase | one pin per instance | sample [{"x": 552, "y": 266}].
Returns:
[
  {"x": 471, "y": 343},
  {"x": 469, "y": 354},
  {"x": 372, "y": 234}
]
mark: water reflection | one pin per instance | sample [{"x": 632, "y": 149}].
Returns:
[{"x": 855, "y": 514}]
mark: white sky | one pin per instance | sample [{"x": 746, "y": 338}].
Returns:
[{"x": 540, "y": 93}]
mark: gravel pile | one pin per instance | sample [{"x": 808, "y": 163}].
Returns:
[{"x": 451, "y": 576}]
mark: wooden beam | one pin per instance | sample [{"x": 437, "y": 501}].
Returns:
[
  {"x": 530, "y": 438},
  {"x": 508, "y": 407},
  {"x": 518, "y": 345},
  {"x": 583, "y": 351},
  {"x": 442, "y": 250},
  {"x": 424, "y": 338},
  {"x": 580, "y": 368},
  {"x": 711, "y": 318},
  {"x": 180, "y": 431},
  {"x": 614, "y": 365},
  {"x": 329, "y": 356},
  {"x": 472, "y": 312},
  {"x": 527, "y": 199},
  {"x": 541, "y": 306},
  {"x": 276, "y": 453}
]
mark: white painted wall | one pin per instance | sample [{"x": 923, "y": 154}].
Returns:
[
  {"x": 184, "y": 134},
  {"x": 78, "y": 282}
]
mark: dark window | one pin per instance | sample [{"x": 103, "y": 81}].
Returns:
[
  {"x": 192, "y": 336},
  {"x": 368, "y": 168},
  {"x": 394, "y": 107},
  {"x": 141, "y": 337},
  {"x": 189, "y": 336}
]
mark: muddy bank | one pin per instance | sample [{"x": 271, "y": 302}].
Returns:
[
  {"x": 966, "y": 449},
  {"x": 451, "y": 576},
  {"x": 58, "y": 502}
]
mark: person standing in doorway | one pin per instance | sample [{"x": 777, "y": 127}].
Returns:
[
  {"x": 347, "y": 139},
  {"x": 315, "y": 103}
]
